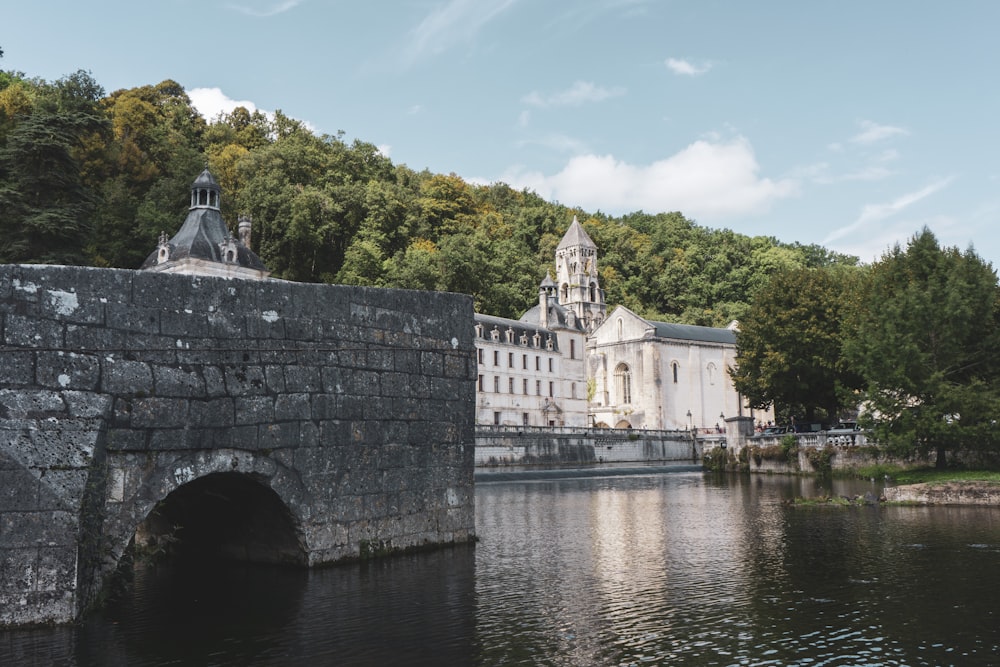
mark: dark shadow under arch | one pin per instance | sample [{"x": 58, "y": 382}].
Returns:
[{"x": 224, "y": 516}]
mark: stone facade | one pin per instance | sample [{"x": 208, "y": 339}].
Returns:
[
  {"x": 338, "y": 420},
  {"x": 659, "y": 375}
]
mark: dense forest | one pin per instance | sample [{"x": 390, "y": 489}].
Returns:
[{"x": 93, "y": 178}]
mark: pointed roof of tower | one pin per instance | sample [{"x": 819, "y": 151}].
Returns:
[
  {"x": 576, "y": 236},
  {"x": 547, "y": 281}
]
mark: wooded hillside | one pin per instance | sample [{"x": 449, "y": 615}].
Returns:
[{"x": 92, "y": 178}]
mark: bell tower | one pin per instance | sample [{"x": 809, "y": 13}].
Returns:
[{"x": 578, "y": 287}]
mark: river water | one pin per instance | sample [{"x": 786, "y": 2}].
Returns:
[{"x": 680, "y": 568}]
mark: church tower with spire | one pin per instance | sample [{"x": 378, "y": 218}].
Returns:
[{"x": 578, "y": 287}]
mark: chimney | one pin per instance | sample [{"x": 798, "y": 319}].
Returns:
[
  {"x": 244, "y": 229},
  {"x": 543, "y": 307}
]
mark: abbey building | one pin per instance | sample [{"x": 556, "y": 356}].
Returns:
[{"x": 566, "y": 362}]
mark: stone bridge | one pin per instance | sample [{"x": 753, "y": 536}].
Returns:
[{"x": 263, "y": 421}]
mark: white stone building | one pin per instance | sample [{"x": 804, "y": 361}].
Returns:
[
  {"x": 539, "y": 370},
  {"x": 658, "y": 375}
]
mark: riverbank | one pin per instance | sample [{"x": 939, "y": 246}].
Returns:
[{"x": 964, "y": 492}]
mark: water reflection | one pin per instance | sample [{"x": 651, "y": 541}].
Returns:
[{"x": 679, "y": 568}]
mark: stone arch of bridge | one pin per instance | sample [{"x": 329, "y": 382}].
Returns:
[{"x": 231, "y": 516}]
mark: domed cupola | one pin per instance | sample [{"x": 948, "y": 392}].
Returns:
[
  {"x": 205, "y": 191},
  {"x": 204, "y": 245}
]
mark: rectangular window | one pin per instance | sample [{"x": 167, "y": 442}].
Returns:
[
  {"x": 525, "y": 386},
  {"x": 538, "y": 363},
  {"x": 510, "y": 385},
  {"x": 496, "y": 385},
  {"x": 524, "y": 418},
  {"x": 538, "y": 387},
  {"x": 496, "y": 418},
  {"x": 572, "y": 349},
  {"x": 480, "y": 387},
  {"x": 510, "y": 360},
  {"x": 496, "y": 357},
  {"x": 552, "y": 389},
  {"x": 550, "y": 364},
  {"x": 572, "y": 390},
  {"x": 524, "y": 361},
  {"x": 479, "y": 355}
]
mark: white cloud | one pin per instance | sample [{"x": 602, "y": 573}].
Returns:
[
  {"x": 579, "y": 93},
  {"x": 705, "y": 180},
  {"x": 210, "y": 102},
  {"x": 872, "y": 132},
  {"x": 870, "y": 247},
  {"x": 273, "y": 10},
  {"x": 385, "y": 150},
  {"x": 457, "y": 21},
  {"x": 875, "y": 213},
  {"x": 686, "y": 67}
]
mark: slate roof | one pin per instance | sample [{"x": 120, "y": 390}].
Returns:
[
  {"x": 519, "y": 327},
  {"x": 576, "y": 235},
  {"x": 694, "y": 333}
]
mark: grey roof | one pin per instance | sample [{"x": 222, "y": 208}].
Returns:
[
  {"x": 547, "y": 280},
  {"x": 576, "y": 235},
  {"x": 692, "y": 332},
  {"x": 558, "y": 316},
  {"x": 206, "y": 180},
  {"x": 203, "y": 233},
  {"x": 519, "y": 327}
]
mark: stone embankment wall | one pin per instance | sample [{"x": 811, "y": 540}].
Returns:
[
  {"x": 538, "y": 445},
  {"x": 965, "y": 493},
  {"x": 352, "y": 407}
]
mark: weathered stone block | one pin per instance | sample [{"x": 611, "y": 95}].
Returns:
[
  {"x": 123, "y": 376},
  {"x": 254, "y": 410},
  {"x": 21, "y": 331},
  {"x": 292, "y": 407},
  {"x": 244, "y": 380},
  {"x": 68, "y": 370},
  {"x": 173, "y": 381},
  {"x": 157, "y": 412},
  {"x": 17, "y": 368}
]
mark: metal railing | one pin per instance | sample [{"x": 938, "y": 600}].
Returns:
[{"x": 486, "y": 430}]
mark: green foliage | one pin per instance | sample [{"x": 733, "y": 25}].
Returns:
[
  {"x": 790, "y": 449},
  {"x": 925, "y": 342},
  {"x": 789, "y": 343},
  {"x": 116, "y": 170},
  {"x": 821, "y": 459}
]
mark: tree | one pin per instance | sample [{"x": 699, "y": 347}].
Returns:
[
  {"x": 789, "y": 345},
  {"x": 924, "y": 337}
]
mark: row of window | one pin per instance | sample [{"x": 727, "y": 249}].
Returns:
[
  {"x": 524, "y": 419},
  {"x": 481, "y": 354},
  {"x": 525, "y": 385}
]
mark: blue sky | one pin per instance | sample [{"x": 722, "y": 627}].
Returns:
[{"x": 851, "y": 124}]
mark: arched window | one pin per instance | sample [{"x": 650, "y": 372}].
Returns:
[
  {"x": 564, "y": 294},
  {"x": 675, "y": 367},
  {"x": 711, "y": 373},
  {"x": 593, "y": 292},
  {"x": 621, "y": 328},
  {"x": 623, "y": 383}
]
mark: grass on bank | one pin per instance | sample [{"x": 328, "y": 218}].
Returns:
[{"x": 928, "y": 475}]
